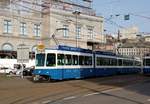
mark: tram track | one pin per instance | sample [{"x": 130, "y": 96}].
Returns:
[
  {"x": 61, "y": 95},
  {"x": 36, "y": 93}
]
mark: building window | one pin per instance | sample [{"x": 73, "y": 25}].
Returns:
[
  {"x": 90, "y": 33},
  {"x": 66, "y": 31},
  {"x": 37, "y": 30},
  {"x": 23, "y": 28},
  {"x": 78, "y": 32},
  {"x": 7, "y": 26}
]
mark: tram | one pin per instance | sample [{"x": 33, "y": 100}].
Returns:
[
  {"x": 146, "y": 65},
  {"x": 67, "y": 62}
]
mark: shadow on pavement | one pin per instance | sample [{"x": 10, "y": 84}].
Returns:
[
  {"x": 109, "y": 82},
  {"x": 140, "y": 84}
]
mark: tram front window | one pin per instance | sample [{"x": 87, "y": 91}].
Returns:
[
  {"x": 51, "y": 59},
  {"x": 40, "y": 59}
]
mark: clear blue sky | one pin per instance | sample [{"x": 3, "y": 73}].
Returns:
[{"x": 106, "y": 8}]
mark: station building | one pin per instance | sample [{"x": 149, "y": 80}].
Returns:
[{"x": 50, "y": 22}]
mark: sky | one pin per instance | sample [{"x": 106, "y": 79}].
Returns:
[{"x": 139, "y": 11}]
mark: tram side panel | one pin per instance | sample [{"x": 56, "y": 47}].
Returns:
[
  {"x": 128, "y": 66},
  {"x": 105, "y": 65},
  {"x": 49, "y": 73},
  {"x": 81, "y": 66}
]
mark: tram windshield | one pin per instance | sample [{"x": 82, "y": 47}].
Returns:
[{"x": 40, "y": 59}]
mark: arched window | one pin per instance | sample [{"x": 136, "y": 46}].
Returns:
[{"x": 7, "y": 47}]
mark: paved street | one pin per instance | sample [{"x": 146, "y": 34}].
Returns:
[
  {"x": 123, "y": 89},
  {"x": 134, "y": 94}
]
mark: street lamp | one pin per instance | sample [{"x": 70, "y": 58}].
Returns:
[{"x": 76, "y": 13}]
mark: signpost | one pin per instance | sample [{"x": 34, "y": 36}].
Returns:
[
  {"x": 40, "y": 47},
  {"x": 22, "y": 56}
]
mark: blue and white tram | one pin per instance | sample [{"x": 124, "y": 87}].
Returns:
[
  {"x": 146, "y": 65},
  {"x": 110, "y": 64},
  {"x": 75, "y": 63}
]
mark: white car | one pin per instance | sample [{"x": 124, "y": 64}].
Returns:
[{"x": 7, "y": 70}]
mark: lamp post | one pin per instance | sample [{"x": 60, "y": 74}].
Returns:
[
  {"x": 141, "y": 58},
  {"x": 76, "y": 13}
]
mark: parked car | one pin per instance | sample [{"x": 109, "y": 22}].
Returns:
[
  {"x": 28, "y": 71},
  {"x": 7, "y": 70}
]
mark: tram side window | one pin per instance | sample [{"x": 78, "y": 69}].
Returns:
[
  {"x": 113, "y": 62},
  {"x": 137, "y": 63},
  {"x": 102, "y": 61},
  {"x": 60, "y": 59},
  {"x": 75, "y": 60},
  {"x": 98, "y": 61},
  {"x": 81, "y": 60},
  {"x": 127, "y": 62},
  {"x": 88, "y": 60},
  {"x": 40, "y": 59},
  {"x": 144, "y": 62},
  {"x": 120, "y": 62},
  {"x": 106, "y": 61},
  {"x": 51, "y": 59},
  {"x": 68, "y": 60},
  {"x": 131, "y": 62},
  {"x": 147, "y": 61}
]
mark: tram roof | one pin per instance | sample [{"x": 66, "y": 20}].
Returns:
[
  {"x": 105, "y": 53},
  {"x": 75, "y": 49}
]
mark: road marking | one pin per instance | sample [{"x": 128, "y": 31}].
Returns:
[
  {"x": 148, "y": 99},
  {"x": 47, "y": 101},
  {"x": 110, "y": 90},
  {"x": 96, "y": 93},
  {"x": 71, "y": 97}
]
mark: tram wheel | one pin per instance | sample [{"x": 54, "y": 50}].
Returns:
[{"x": 47, "y": 78}]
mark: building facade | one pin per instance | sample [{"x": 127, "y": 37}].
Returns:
[
  {"x": 60, "y": 22},
  {"x": 80, "y": 22},
  {"x": 134, "y": 49},
  {"x": 147, "y": 38},
  {"x": 129, "y": 33}
]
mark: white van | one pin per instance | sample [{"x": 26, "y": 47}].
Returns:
[{"x": 7, "y": 70}]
